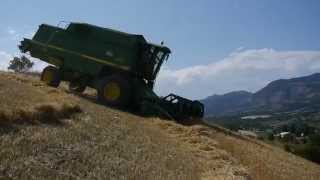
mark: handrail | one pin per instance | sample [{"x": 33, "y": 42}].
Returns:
[{"x": 67, "y": 23}]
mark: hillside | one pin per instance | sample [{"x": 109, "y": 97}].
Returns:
[
  {"x": 50, "y": 133},
  {"x": 278, "y": 96},
  {"x": 230, "y": 103},
  {"x": 289, "y": 94}
]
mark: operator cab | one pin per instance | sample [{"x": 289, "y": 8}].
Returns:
[{"x": 153, "y": 57}]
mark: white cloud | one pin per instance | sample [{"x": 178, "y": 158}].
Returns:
[
  {"x": 38, "y": 64},
  {"x": 11, "y": 31},
  {"x": 4, "y": 60},
  {"x": 241, "y": 70},
  {"x": 29, "y": 34},
  {"x": 15, "y": 35}
]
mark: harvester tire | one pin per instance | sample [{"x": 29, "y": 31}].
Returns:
[
  {"x": 114, "y": 91},
  {"x": 76, "y": 87},
  {"x": 51, "y": 76}
]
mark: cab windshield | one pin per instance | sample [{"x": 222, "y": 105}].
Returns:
[
  {"x": 155, "y": 58},
  {"x": 160, "y": 57}
]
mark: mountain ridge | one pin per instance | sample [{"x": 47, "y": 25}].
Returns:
[{"x": 279, "y": 95}]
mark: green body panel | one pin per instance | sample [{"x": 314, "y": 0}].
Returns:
[
  {"x": 87, "y": 48},
  {"x": 73, "y": 46}
]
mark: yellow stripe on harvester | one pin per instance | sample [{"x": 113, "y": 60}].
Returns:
[{"x": 82, "y": 55}]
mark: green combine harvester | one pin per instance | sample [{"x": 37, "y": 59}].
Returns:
[{"x": 122, "y": 68}]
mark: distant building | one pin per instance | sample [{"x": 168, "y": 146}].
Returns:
[{"x": 284, "y": 134}]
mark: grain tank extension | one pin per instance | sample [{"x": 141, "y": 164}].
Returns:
[{"x": 122, "y": 67}]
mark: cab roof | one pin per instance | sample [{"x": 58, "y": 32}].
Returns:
[{"x": 99, "y": 29}]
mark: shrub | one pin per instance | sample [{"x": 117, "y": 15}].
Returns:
[
  {"x": 287, "y": 148},
  {"x": 22, "y": 64},
  {"x": 270, "y": 137},
  {"x": 313, "y": 153}
]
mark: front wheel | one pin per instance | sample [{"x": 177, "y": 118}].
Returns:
[
  {"x": 51, "y": 76},
  {"x": 114, "y": 91}
]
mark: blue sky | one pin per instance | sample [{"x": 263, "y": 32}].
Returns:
[{"x": 218, "y": 46}]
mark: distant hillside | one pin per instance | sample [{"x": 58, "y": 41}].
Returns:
[
  {"x": 230, "y": 103},
  {"x": 289, "y": 94},
  {"x": 280, "y": 95}
]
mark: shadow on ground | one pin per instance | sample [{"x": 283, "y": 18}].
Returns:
[{"x": 44, "y": 114}]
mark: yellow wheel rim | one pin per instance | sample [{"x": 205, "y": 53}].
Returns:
[
  {"x": 112, "y": 91},
  {"x": 48, "y": 76}
]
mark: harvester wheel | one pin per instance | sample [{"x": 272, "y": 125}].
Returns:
[
  {"x": 51, "y": 76},
  {"x": 76, "y": 87},
  {"x": 114, "y": 91}
]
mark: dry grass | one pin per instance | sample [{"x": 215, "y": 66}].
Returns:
[
  {"x": 96, "y": 142},
  {"x": 269, "y": 163},
  {"x": 260, "y": 161},
  {"x": 216, "y": 163}
]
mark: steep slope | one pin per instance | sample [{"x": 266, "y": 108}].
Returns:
[
  {"x": 280, "y": 95},
  {"x": 50, "y": 133},
  {"x": 39, "y": 140}
]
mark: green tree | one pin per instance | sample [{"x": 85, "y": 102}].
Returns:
[
  {"x": 270, "y": 137},
  {"x": 287, "y": 148},
  {"x": 21, "y": 64},
  {"x": 312, "y": 150}
]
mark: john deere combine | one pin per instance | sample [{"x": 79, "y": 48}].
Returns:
[{"x": 122, "y": 67}]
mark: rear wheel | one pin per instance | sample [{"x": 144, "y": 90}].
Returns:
[
  {"x": 51, "y": 76},
  {"x": 114, "y": 91}
]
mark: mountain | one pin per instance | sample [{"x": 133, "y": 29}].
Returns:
[
  {"x": 289, "y": 93},
  {"x": 227, "y": 104},
  {"x": 280, "y": 95}
]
